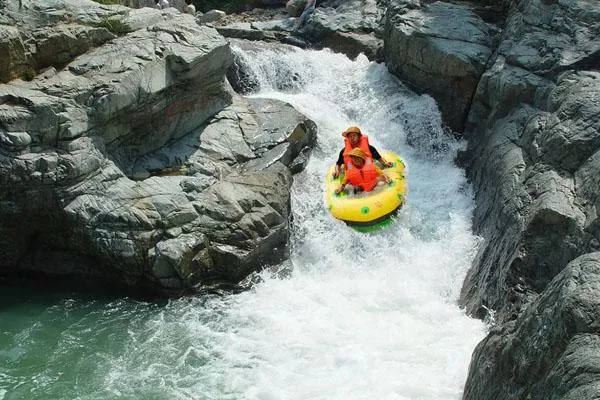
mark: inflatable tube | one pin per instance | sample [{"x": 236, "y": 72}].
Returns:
[{"x": 372, "y": 210}]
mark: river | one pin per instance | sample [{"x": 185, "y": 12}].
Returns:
[{"x": 349, "y": 316}]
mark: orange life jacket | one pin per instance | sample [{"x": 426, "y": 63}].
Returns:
[
  {"x": 365, "y": 177},
  {"x": 363, "y": 144}
]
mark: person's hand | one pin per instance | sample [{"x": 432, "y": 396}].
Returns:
[
  {"x": 336, "y": 173},
  {"x": 386, "y": 163},
  {"x": 387, "y": 179},
  {"x": 339, "y": 189}
]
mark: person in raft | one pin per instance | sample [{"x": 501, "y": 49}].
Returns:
[
  {"x": 361, "y": 172},
  {"x": 353, "y": 138}
]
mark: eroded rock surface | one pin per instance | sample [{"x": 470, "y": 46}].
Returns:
[
  {"x": 137, "y": 164},
  {"x": 441, "y": 49},
  {"x": 551, "y": 350}
]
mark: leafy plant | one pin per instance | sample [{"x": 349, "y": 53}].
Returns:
[
  {"x": 114, "y": 25},
  {"x": 28, "y": 74}
]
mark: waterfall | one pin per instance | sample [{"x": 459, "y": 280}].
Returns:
[{"x": 349, "y": 316}]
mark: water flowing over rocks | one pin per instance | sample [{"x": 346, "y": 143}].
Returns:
[
  {"x": 136, "y": 163},
  {"x": 125, "y": 155}
]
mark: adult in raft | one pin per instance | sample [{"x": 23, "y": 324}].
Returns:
[
  {"x": 361, "y": 172},
  {"x": 353, "y": 138}
]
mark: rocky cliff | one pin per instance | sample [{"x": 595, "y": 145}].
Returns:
[
  {"x": 521, "y": 82},
  {"x": 134, "y": 162}
]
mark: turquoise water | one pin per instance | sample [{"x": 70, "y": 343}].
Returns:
[{"x": 350, "y": 316}]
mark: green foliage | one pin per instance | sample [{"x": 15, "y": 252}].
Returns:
[
  {"x": 28, "y": 74},
  {"x": 114, "y": 25}
]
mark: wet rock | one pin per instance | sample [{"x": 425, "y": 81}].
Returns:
[
  {"x": 441, "y": 49},
  {"x": 15, "y": 142},
  {"x": 138, "y": 161},
  {"x": 210, "y": 16},
  {"x": 550, "y": 351}
]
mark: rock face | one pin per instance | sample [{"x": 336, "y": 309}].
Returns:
[
  {"x": 137, "y": 163},
  {"x": 350, "y": 27},
  {"x": 536, "y": 135},
  {"x": 441, "y": 49},
  {"x": 526, "y": 91},
  {"x": 551, "y": 350},
  {"x": 42, "y": 35},
  {"x": 541, "y": 212},
  {"x": 534, "y": 139}
]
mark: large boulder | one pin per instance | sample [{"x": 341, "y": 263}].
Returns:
[
  {"x": 295, "y": 7},
  {"x": 529, "y": 174},
  {"x": 15, "y": 59},
  {"x": 349, "y": 27},
  {"x": 551, "y": 351},
  {"x": 533, "y": 136},
  {"x": 137, "y": 164},
  {"x": 441, "y": 49},
  {"x": 358, "y": 16}
]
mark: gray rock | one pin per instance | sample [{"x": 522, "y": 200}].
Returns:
[
  {"x": 358, "y": 16},
  {"x": 349, "y": 27},
  {"x": 548, "y": 37},
  {"x": 210, "y": 16},
  {"x": 15, "y": 57},
  {"x": 536, "y": 217},
  {"x": 50, "y": 12},
  {"x": 14, "y": 141},
  {"x": 352, "y": 44},
  {"x": 441, "y": 49},
  {"x": 533, "y": 134},
  {"x": 137, "y": 160},
  {"x": 551, "y": 350},
  {"x": 245, "y": 30},
  {"x": 567, "y": 136},
  {"x": 177, "y": 260},
  {"x": 62, "y": 44},
  {"x": 295, "y": 7}
]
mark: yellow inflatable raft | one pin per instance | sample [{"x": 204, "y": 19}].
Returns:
[{"x": 368, "y": 211}]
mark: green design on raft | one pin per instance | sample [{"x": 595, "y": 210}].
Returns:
[{"x": 372, "y": 228}]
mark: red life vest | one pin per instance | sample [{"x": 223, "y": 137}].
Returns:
[
  {"x": 363, "y": 145},
  {"x": 365, "y": 177}
]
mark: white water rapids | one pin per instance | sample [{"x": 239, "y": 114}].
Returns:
[
  {"x": 356, "y": 317},
  {"x": 361, "y": 316}
]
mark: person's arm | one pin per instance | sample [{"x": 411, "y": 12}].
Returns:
[
  {"x": 338, "y": 164},
  {"x": 374, "y": 153},
  {"x": 342, "y": 186},
  {"x": 378, "y": 157},
  {"x": 382, "y": 174}
]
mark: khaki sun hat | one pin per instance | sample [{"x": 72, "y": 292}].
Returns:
[
  {"x": 351, "y": 129},
  {"x": 357, "y": 152}
]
